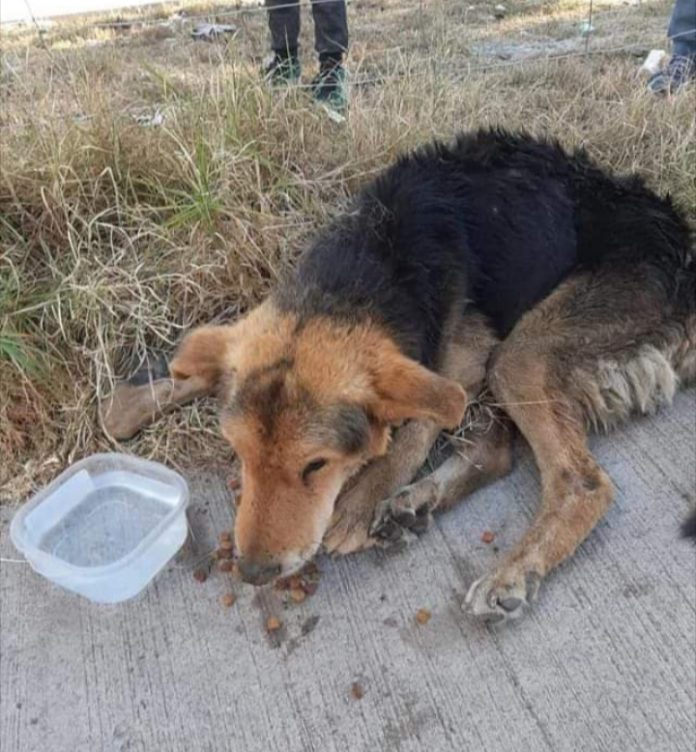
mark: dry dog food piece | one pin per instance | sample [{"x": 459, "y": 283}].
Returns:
[
  {"x": 234, "y": 484},
  {"x": 487, "y": 536},
  {"x": 200, "y": 575},
  {"x": 298, "y": 595},
  {"x": 357, "y": 691},
  {"x": 422, "y": 616},
  {"x": 273, "y": 624},
  {"x": 311, "y": 569},
  {"x": 305, "y": 581},
  {"x": 224, "y": 552},
  {"x": 228, "y": 600},
  {"x": 226, "y": 565},
  {"x": 225, "y": 540},
  {"x": 294, "y": 582}
]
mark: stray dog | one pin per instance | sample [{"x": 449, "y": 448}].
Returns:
[{"x": 497, "y": 269}]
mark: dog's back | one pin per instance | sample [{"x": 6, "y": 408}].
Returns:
[{"x": 494, "y": 219}]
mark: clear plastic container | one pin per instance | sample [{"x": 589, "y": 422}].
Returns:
[{"x": 105, "y": 527}]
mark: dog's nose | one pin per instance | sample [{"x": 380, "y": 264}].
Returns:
[{"x": 258, "y": 573}]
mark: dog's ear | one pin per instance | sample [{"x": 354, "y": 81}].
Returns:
[
  {"x": 205, "y": 353},
  {"x": 405, "y": 389}
]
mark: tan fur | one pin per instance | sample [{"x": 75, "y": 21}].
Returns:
[
  {"x": 356, "y": 507},
  {"x": 553, "y": 375},
  {"x": 130, "y": 408},
  {"x": 468, "y": 343},
  {"x": 684, "y": 352},
  {"x": 283, "y": 515},
  {"x": 615, "y": 390},
  {"x": 480, "y": 458}
]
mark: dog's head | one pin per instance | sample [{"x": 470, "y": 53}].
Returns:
[{"x": 304, "y": 407}]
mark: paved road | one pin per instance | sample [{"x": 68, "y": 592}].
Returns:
[{"x": 607, "y": 661}]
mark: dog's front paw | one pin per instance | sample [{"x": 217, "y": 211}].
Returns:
[
  {"x": 349, "y": 530},
  {"x": 348, "y": 534},
  {"x": 498, "y": 598},
  {"x": 407, "y": 514}
]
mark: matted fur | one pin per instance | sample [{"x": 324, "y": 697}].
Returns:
[{"x": 616, "y": 390}]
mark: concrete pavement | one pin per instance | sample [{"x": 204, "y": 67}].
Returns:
[{"x": 606, "y": 661}]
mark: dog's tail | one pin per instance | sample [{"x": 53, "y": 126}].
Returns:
[{"x": 689, "y": 527}]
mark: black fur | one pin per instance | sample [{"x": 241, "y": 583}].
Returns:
[
  {"x": 265, "y": 393},
  {"x": 345, "y": 427},
  {"x": 494, "y": 221}
]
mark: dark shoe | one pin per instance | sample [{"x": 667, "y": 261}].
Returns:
[
  {"x": 330, "y": 86},
  {"x": 680, "y": 70},
  {"x": 282, "y": 71}
]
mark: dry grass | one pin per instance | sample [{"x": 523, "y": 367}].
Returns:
[{"x": 115, "y": 237}]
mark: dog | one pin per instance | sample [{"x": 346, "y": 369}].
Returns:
[{"x": 498, "y": 271}]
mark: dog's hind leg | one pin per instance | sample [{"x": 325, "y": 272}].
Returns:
[
  {"x": 159, "y": 387},
  {"x": 132, "y": 406},
  {"x": 601, "y": 346}
]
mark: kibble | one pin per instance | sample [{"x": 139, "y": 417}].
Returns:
[
  {"x": 226, "y": 565},
  {"x": 228, "y": 600},
  {"x": 487, "y": 536},
  {"x": 423, "y": 616},
  {"x": 200, "y": 575},
  {"x": 311, "y": 569},
  {"x": 298, "y": 595},
  {"x": 357, "y": 691},
  {"x": 300, "y": 585},
  {"x": 273, "y": 624},
  {"x": 224, "y": 552}
]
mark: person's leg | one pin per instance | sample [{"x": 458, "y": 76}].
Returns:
[
  {"x": 330, "y": 28},
  {"x": 284, "y": 25},
  {"x": 682, "y": 27},
  {"x": 682, "y": 65},
  {"x": 331, "y": 42}
]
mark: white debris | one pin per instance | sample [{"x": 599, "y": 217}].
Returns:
[
  {"x": 208, "y": 32},
  {"x": 333, "y": 114},
  {"x": 653, "y": 62},
  {"x": 150, "y": 121}
]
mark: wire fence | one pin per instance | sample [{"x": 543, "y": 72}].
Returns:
[
  {"x": 260, "y": 7},
  {"x": 257, "y": 7},
  {"x": 428, "y": 65},
  {"x": 250, "y": 8},
  {"x": 230, "y": 13}
]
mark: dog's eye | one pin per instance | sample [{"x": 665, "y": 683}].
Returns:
[{"x": 312, "y": 468}]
